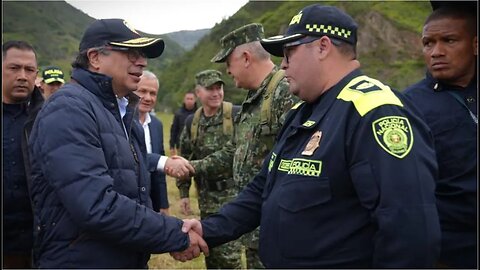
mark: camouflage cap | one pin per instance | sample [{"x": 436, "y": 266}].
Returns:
[
  {"x": 208, "y": 77},
  {"x": 245, "y": 34}
]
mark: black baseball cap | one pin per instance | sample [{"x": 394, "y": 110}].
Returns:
[
  {"x": 314, "y": 20},
  {"x": 52, "y": 74},
  {"x": 117, "y": 32}
]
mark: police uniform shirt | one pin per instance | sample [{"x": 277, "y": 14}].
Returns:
[{"x": 350, "y": 183}]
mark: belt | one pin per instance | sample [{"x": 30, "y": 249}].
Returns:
[{"x": 220, "y": 185}]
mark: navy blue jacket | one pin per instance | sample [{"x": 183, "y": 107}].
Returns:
[
  {"x": 455, "y": 135},
  {"x": 17, "y": 210},
  {"x": 178, "y": 124},
  {"x": 159, "y": 193},
  {"x": 349, "y": 184},
  {"x": 90, "y": 186}
]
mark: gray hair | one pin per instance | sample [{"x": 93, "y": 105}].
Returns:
[
  {"x": 81, "y": 59},
  {"x": 256, "y": 49},
  {"x": 150, "y": 75}
]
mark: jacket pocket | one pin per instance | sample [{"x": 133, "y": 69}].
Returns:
[
  {"x": 300, "y": 193},
  {"x": 301, "y": 202}
]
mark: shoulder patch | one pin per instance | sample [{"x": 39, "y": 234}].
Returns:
[
  {"x": 394, "y": 134},
  {"x": 367, "y": 94}
]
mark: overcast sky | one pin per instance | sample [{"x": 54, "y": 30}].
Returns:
[{"x": 162, "y": 16}]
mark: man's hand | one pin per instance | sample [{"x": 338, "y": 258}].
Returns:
[
  {"x": 192, "y": 225},
  {"x": 197, "y": 244},
  {"x": 178, "y": 167},
  {"x": 185, "y": 206}
]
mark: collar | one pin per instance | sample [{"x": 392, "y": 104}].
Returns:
[
  {"x": 439, "y": 86},
  {"x": 122, "y": 105},
  {"x": 148, "y": 120},
  {"x": 254, "y": 94},
  {"x": 98, "y": 84}
]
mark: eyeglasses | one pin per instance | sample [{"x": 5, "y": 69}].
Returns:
[
  {"x": 287, "y": 48},
  {"x": 307, "y": 39},
  {"x": 133, "y": 54}
]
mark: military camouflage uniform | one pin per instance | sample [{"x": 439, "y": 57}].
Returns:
[
  {"x": 253, "y": 139},
  {"x": 216, "y": 189}
]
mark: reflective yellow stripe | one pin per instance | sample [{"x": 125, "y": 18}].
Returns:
[
  {"x": 367, "y": 101},
  {"x": 301, "y": 166},
  {"x": 294, "y": 107}
]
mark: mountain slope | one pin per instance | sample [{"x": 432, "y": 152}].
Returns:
[
  {"x": 55, "y": 28},
  {"x": 188, "y": 38},
  {"x": 389, "y": 46}
]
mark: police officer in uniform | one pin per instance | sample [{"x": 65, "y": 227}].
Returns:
[
  {"x": 350, "y": 180},
  {"x": 206, "y": 131},
  {"x": 447, "y": 99}
]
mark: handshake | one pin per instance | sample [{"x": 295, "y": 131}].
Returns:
[
  {"x": 179, "y": 167},
  {"x": 194, "y": 229}
]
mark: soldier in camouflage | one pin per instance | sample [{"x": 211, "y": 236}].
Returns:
[
  {"x": 259, "y": 120},
  {"x": 205, "y": 132}
]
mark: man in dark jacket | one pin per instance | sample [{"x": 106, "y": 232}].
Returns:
[
  {"x": 447, "y": 99},
  {"x": 153, "y": 128},
  {"x": 21, "y": 100},
  {"x": 90, "y": 186},
  {"x": 188, "y": 107}
]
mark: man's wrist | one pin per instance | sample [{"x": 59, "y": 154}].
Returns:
[{"x": 161, "y": 163}]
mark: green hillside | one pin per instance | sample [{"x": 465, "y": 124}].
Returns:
[
  {"x": 55, "y": 28},
  {"x": 389, "y": 45}
]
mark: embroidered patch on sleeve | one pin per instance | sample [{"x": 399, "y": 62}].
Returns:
[{"x": 394, "y": 135}]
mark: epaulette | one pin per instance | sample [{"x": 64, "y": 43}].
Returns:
[{"x": 367, "y": 94}]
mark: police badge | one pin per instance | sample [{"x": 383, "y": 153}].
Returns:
[
  {"x": 394, "y": 135},
  {"x": 313, "y": 144}
]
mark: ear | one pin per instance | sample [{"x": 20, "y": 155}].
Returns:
[
  {"x": 42, "y": 84},
  {"x": 247, "y": 58},
  {"x": 323, "y": 46},
  {"x": 94, "y": 58}
]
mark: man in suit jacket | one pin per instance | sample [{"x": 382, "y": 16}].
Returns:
[{"x": 147, "y": 90}]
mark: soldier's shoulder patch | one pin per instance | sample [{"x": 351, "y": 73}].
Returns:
[{"x": 394, "y": 134}]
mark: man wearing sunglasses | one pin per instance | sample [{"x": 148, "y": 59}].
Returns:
[
  {"x": 90, "y": 185},
  {"x": 350, "y": 180}
]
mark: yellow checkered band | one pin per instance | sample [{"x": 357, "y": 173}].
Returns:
[{"x": 328, "y": 29}]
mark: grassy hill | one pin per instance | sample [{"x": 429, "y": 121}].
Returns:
[
  {"x": 55, "y": 28},
  {"x": 389, "y": 45}
]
